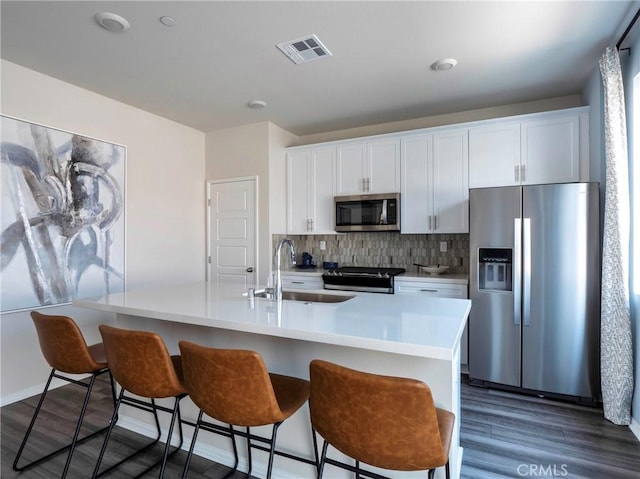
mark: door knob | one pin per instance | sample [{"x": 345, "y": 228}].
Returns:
[{"x": 249, "y": 269}]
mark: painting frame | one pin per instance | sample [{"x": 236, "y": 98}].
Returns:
[{"x": 62, "y": 215}]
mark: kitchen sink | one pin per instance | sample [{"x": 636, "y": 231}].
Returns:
[{"x": 315, "y": 297}]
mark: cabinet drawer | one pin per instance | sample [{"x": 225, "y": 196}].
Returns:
[
  {"x": 301, "y": 282},
  {"x": 442, "y": 290}
]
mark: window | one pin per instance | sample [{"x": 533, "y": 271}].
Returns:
[{"x": 634, "y": 163}]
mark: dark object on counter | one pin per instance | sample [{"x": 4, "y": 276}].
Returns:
[
  {"x": 307, "y": 260},
  {"x": 329, "y": 265}
]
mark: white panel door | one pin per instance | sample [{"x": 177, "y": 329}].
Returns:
[{"x": 232, "y": 231}]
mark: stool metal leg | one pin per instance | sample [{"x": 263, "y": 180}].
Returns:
[
  {"x": 75, "y": 440},
  {"x": 272, "y": 449},
  {"x": 121, "y": 398},
  {"x": 323, "y": 458},
  {"x": 187, "y": 463}
]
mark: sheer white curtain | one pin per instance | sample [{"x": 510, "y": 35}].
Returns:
[{"x": 616, "y": 362}]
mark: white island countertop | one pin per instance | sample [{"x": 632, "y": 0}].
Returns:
[{"x": 395, "y": 323}]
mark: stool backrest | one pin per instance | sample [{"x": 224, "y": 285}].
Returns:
[
  {"x": 230, "y": 385},
  {"x": 63, "y": 345},
  {"x": 140, "y": 363},
  {"x": 384, "y": 421}
]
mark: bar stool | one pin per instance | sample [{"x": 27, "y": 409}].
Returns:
[
  {"x": 66, "y": 351},
  {"x": 384, "y": 421},
  {"x": 141, "y": 364},
  {"x": 234, "y": 387}
]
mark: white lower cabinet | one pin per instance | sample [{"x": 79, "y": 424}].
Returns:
[{"x": 440, "y": 289}]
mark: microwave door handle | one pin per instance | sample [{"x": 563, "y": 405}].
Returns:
[{"x": 383, "y": 213}]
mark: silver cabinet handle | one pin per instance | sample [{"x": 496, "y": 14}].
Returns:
[
  {"x": 526, "y": 272},
  {"x": 430, "y": 223},
  {"x": 297, "y": 282},
  {"x": 517, "y": 173},
  {"x": 517, "y": 273},
  {"x": 523, "y": 173},
  {"x": 249, "y": 269},
  {"x": 435, "y": 222},
  {"x": 429, "y": 290}
]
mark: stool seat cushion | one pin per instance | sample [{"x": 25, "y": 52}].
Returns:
[{"x": 291, "y": 393}]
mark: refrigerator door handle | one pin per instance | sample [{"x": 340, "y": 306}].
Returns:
[
  {"x": 517, "y": 262},
  {"x": 526, "y": 271}
]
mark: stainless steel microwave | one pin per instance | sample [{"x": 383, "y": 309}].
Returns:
[{"x": 377, "y": 212}]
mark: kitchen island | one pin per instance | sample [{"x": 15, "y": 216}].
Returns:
[{"x": 394, "y": 334}]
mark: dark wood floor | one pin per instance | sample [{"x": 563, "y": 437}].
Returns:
[{"x": 504, "y": 435}]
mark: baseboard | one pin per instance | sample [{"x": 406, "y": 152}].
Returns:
[
  {"x": 31, "y": 391},
  {"x": 635, "y": 428}
]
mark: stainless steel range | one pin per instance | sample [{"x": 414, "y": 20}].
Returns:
[{"x": 356, "y": 278}]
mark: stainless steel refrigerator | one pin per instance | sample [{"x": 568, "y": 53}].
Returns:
[{"x": 535, "y": 289}]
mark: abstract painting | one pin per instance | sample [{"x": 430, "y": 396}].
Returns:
[{"x": 62, "y": 219}]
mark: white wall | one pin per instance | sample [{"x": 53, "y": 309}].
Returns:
[
  {"x": 447, "y": 119},
  {"x": 255, "y": 149},
  {"x": 164, "y": 198}
]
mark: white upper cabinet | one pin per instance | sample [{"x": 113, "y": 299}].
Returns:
[
  {"x": 541, "y": 148},
  {"x": 368, "y": 167},
  {"x": 435, "y": 191},
  {"x": 551, "y": 150},
  {"x": 310, "y": 189},
  {"x": 494, "y": 155}
]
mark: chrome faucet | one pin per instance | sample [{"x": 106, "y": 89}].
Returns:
[{"x": 277, "y": 287}]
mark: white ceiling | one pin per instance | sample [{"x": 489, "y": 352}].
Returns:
[{"x": 220, "y": 55}]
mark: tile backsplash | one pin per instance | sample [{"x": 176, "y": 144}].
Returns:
[{"x": 385, "y": 249}]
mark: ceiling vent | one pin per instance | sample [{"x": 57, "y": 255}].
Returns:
[{"x": 303, "y": 50}]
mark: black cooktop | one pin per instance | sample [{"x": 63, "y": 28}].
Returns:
[{"x": 365, "y": 271}]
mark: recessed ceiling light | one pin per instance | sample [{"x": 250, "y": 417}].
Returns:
[
  {"x": 112, "y": 22},
  {"x": 444, "y": 64},
  {"x": 256, "y": 104},
  {"x": 167, "y": 21}
]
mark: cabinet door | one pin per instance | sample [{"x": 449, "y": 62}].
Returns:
[
  {"x": 551, "y": 150},
  {"x": 298, "y": 191},
  {"x": 450, "y": 185},
  {"x": 323, "y": 183},
  {"x": 382, "y": 174},
  {"x": 494, "y": 155},
  {"x": 416, "y": 195},
  {"x": 350, "y": 169}
]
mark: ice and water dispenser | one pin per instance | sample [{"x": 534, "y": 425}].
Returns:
[{"x": 495, "y": 269}]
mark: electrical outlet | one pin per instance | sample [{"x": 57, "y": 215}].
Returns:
[
  {"x": 443, "y": 246},
  {"x": 323, "y": 245}
]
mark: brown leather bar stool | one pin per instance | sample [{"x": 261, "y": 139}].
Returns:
[
  {"x": 66, "y": 351},
  {"x": 233, "y": 386},
  {"x": 141, "y": 364},
  {"x": 384, "y": 421}
]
